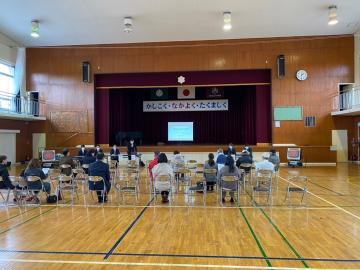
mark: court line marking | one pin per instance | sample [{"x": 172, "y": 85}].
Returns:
[
  {"x": 333, "y": 204},
  {"x": 7, "y": 219},
  {"x": 180, "y": 255},
  {"x": 316, "y": 184},
  {"x": 28, "y": 220},
  {"x": 149, "y": 264},
  {"x": 279, "y": 232},
  {"x": 108, "y": 254},
  {"x": 255, "y": 238},
  {"x": 285, "y": 207}
]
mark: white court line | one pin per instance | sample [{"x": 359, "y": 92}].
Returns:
[
  {"x": 190, "y": 206},
  {"x": 333, "y": 204},
  {"x": 148, "y": 264}
]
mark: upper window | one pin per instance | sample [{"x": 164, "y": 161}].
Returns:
[{"x": 6, "y": 85}]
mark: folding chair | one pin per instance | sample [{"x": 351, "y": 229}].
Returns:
[
  {"x": 66, "y": 169},
  {"x": 163, "y": 179},
  {"x": 79, "y": 176},
  {"x": 248, "y": 174},
  {"x": 210, "y": 176},
  {"x": 224, "y": 184},
  {"x": 67, "y": 184},
  {"x": 183, "y": 178},
  {"x": 263, "y": 184},
  {"x": 296, "y": 184},
  {"x": 191, "y": 164},
  {"x": 199, "y": 169},
  {"x": 201, "y": 188},
  {"x": 129, "y": 185},
  {"x": 8, "y": 190},
  {"x": 94, "y": 181},
  {"x": 34, "y": 191}
]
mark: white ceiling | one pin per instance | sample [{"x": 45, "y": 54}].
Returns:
[{"x": 74, "y": 22}]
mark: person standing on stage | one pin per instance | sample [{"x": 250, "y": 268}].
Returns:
[{"x": 131, "y": 148}]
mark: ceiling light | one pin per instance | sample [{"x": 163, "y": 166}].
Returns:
[
  {"x": 227, "y": 21},
  {"x": 35, "y": 29},
  {"x": 128, "y": 24},
  {"x": 332, "y": 15}
]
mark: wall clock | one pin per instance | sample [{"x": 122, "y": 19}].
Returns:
[{"x": 301, "y": 75}]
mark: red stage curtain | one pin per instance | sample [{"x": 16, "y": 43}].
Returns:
[{"x": 102, "y": 116}]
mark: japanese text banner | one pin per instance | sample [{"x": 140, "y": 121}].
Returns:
[{"x": 186, "y": 105}]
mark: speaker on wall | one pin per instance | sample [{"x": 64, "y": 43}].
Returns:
[
  {"x": 86, "y": 72},
  {"x": 281, "y": 66}
]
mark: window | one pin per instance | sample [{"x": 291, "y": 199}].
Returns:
[
  {"x": 309, "y": 121},
  {"x": 6, "y": 85}
]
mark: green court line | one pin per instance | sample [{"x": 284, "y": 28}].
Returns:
[
  {"x": 279, "y": 232},
  {"x": 284, "y": 238},
  {"x": 255, "y": 238}
]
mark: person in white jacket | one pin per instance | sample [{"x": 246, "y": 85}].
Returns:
[{"x": 163, "y": 169}]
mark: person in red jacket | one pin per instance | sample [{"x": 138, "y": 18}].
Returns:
[{"x": 153, "y": 163}]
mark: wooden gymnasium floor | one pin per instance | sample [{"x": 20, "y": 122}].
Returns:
[{"x": 188, "y": 235}]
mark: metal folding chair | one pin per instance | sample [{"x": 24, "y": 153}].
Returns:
[
  {"x": 263, "y": 184},
  {"x": 93, "y": 180},
  {"x": 67, "y": 184},
  {"x": 163, "y": 179},
  {"x": 296, "y": 184},
  {"x": 229, "y": 181}
]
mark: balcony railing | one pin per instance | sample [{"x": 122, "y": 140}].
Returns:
[
  {"x": 347, "y": 100},
  {"x": 13, "y": 104}
]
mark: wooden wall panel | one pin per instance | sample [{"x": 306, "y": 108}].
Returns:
[
  {"x": 24, "y": 138},
  {"x": 56, "y": 73}
]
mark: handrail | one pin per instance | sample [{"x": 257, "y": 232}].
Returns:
[
  {"x": 347, "y": 100},
  {"x": 10, "y": 103}
]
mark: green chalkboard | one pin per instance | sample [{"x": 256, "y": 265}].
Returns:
[{"x": 288, "y": 113}]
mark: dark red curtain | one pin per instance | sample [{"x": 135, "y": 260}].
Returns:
[
  {"x": 237, "y": 125},
  {"x": 102, "y": 116},
  {"x": 263, "y": 114}
]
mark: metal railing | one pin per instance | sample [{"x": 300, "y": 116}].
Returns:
[
  {"x": 347, "y": 100},
  {"x": 21, "y": 105}
]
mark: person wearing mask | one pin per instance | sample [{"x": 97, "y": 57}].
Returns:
[
  {"x": 231, "y": 150},
  {"x": 221, "y": 158},
  {"x": 114, "y": 153},
  {"x": 244, "y": 158},
  {"x": 82, "y": 152},
  {"x": 210, "y": 178},
  {"x": 88, "y": 159},
  {"x": 153, "y": 163},
  {"x": 99, "y": 168},
  {"x": 163, "y": 168},
  {"x": 34, "y": 169},
  {"x": 274, "y": 159},
  {"x": 98, "y": 149},
  {"x": 131, "y": 148},
  {"x": 229, "y": 170},
  {"x": 67, "y": 160},
  {"x": 249, "y": 149}
]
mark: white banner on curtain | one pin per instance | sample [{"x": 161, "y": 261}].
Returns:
[{"x": 186, "y": 105}]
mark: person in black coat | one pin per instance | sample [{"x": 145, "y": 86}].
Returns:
[
  {"x": 99, "y": 168},
  {"x": 131, "y": 149},
  {"x": 231, "y": 150},
  {"x": 98, "y": 149},
  {"x": 4, "y": 174},
  {"x": 114, "y": 153},
  {"x": 83, "y": 151},
  {"x": 244, "y": 158}
]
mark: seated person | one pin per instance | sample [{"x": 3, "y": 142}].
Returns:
[
  {"x": 153, "y": 163},
  {"x": 82, "y": 152},
  {"x": 4, "y": 174},
  {"x": 98, "y": 149},
  {"x": 221, "y": 158},
  {"x": 249, "y": 149},
  {"x": 131, "y": 149},
  {"x": 265, "y": 164},
  {"x": 274, "y": 159},
  {"x": 67, "y": 160},
  {"x": 231, "y": 150},
  {"x": 177, "y": 163},
  {"x": 114, "y": 153},
  {"x": 34, "y": 169},
  {"x": 210, "y": 178},
  {"x": 163, "y": 168},
  {"x": 89, "y": 158},
  {"x": 229, "y": 170},
  {"x": 244, "y": 158},
  {"x": 99, "y": 168}
]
